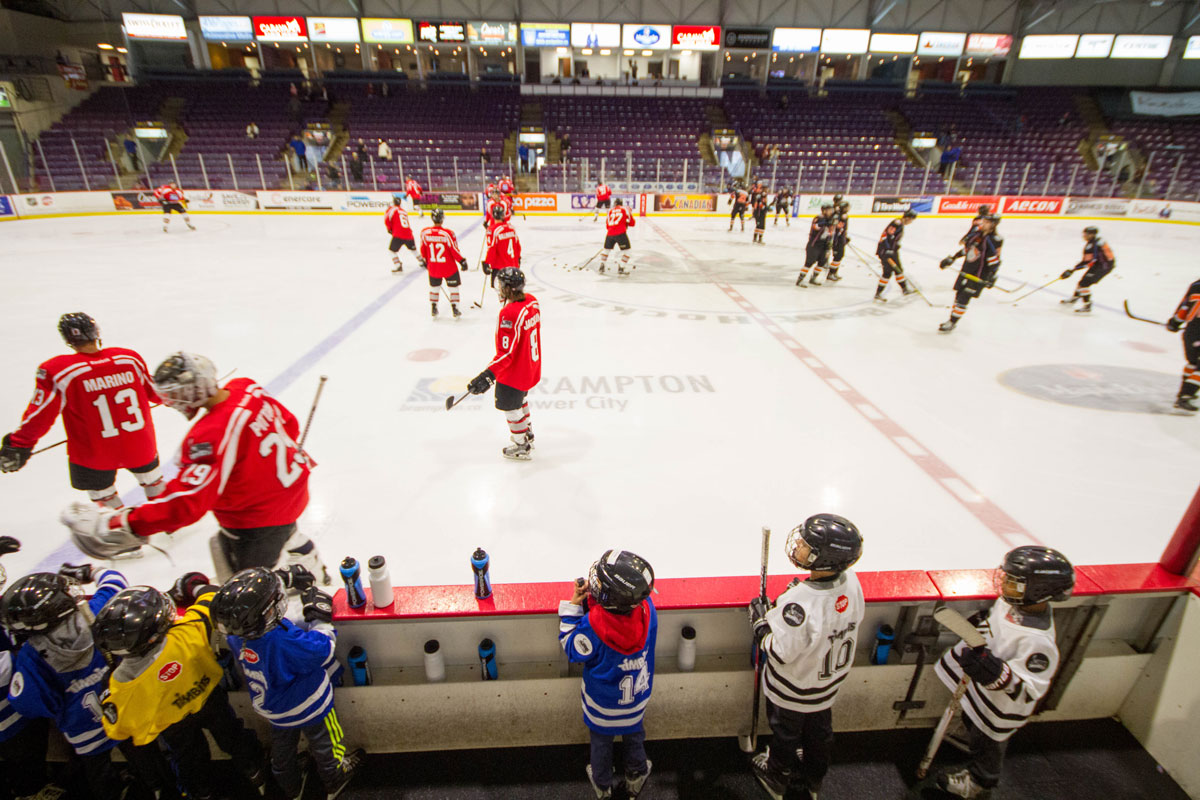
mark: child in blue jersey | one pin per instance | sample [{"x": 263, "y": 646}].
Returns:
[
  {"x": 610, "y": 626},
  {"x": 290, "y": 670}
]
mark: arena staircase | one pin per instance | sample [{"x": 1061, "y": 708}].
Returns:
[
  {"x": 341, "y": 136},
  {"x": 1099, "y": 133}
]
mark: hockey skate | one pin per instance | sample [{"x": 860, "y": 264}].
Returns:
[
  {"x": 907, "y": 290},
  {"x": 601, "y": 794},
  {"x": 191, "y": 227},
  {"x": 961, "y": 784},
  {"x": 519, "y": 451},
  {"x": 813, "y": 280},
  {"x": 1187, "y": 404},
  {"x": 1086, "y": 308},
  {"x": 601, "y": 268},
  {"x": 833, "y": 277},
  {"x": 879, "y": 298},
  {"x": 635, "y": 783},
  {"x": 1069, "y": 300},
  {"x": 454, "y": 310},
  {"x": 948, "y": 325},
  {"x": 433, "y": 310},
  {"x": 351, "y": 763},
  {"x": 399, "y": 268},
  {"x": 800, "y": 280},
  {"x": 774, "y": 784}
]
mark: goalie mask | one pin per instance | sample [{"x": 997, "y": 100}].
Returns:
[
  {"x": 824, "y": 543},
  {"x": 186, "y": 381},
  {"x": 1033, "y": 574}
]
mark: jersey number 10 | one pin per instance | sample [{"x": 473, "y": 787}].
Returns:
[{"x": 831, "y": 663}]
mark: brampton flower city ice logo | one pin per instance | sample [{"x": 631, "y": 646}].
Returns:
[{"x": 646, "y": 36}]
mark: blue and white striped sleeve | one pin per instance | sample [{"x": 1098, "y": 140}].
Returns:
[
  {"x": 577, "y": 644},
  {"x": 108, "y": 583}
]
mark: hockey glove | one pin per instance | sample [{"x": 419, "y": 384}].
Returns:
[
  {"x": 421, "y": 260},
  {"x": 945, "y": 262},
  {"x": 481, "y": 382},
  {"x": 80, "y": 574},
  {"x": 296, "y": 578},
  {"x": 487, "y": 269},
  {"x": 100, "y": 532},
  {"x": 1173, "y": 325},
  {"x": 188, "y": 587},
  {"x": 1066, "y": 274},
  {"x": 984, "y": 668},
  {"x": 758, "y": 619},
  {"x": 12, "y": 458},
  {"x": 463, "y": 265},
  {"x": 317, "y": 606},
  {"x": 990, "y": 283},
  {"x": 8, "y": 545}
]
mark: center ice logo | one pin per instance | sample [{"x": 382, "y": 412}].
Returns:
[{"x": 1099, "y": 386}]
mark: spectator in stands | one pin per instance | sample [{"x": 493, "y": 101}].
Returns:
[
  {"x": 370, "y": 91},
  {"x": 360, "y": 150},
  {"x": 1064, "y": 119},
  {"x": 356, "y": 167},
  {"x": 252, "y": 131},
  {"x": 950, "y": 157},
  {"x": 523, "y": 158},
  {"x": 297, "y": 145},
  {"x": 783, "y": 102},
  {"x": 131, "y": 149},
  {"x": 384, "y": 91},
  {"x": 484, "y": 158},
  {"x": 385, "y": 152},
  {"x": 566, "y": 146},
  {"x": 294, "y": 90}
]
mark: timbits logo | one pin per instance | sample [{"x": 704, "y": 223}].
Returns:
[{"x": 646, "y": 36}]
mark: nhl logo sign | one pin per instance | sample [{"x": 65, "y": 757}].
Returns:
[
  {"x": 170, "y": 671},
  {"x": 842, "y": 603}
]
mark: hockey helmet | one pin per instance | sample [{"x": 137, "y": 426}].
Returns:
[
  {"x": 512, "y": 277},
  {"x": 984, "y": 210},
  {"x": 250, "y": 603},
  {"x": 1091, "y": 230},
  {"x": 826, "y": 206},
  {"x": 186, "y": 381},
  {"x": 1035, "y": 574},
  {"x": 834, "y": 543},
  {"x": 134, "y": 621},
  {"x": 498, "y": 213},
  {"x": 618, "y": 202},
  {"x": 438, "y": 216},
  {"x": 37, "y": 603},
  {"x": 620, "y": 581},
  {"x": 77, "y": 329},
  {"x": 910, "y": 214},
  {"x": 837, "y": 199},
  {"x": 844, "y": 206}
]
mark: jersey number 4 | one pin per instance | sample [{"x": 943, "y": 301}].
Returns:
[
  {"x": 631, "y": 687},
  {"x": 136, "y": 420}
]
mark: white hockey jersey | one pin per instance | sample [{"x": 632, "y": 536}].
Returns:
[
  {"x": 1026, "y": 644},
  {"x": 814, "y": 632}
]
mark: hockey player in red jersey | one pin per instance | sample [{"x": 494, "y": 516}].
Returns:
[
  {"x": 1187, "y": 319},
  {"x": 497, "y": 201},
  {"x": 413, "y": 189},
  {"x": 240, "y": 460},
  {"x": 505, "y": 185},
  {"x": 517, "y": 367},
  {"x": 439, "y": 249},
  {"x": 172, "y": 200},
  {"x": 395, "y": 219},
  {"x": 104, "y": 394},
  {"x": 603, "y": 198},
  {"x": 503, "y": 246},
  {"x": 619, "y": 221}
]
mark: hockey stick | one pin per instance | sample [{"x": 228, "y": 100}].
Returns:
[
  {"x": 1000, "y": 288},
  {"x": 748, "y": 744},
  {"x": 311, "y": 411},
  {"x": 900, "y": 273},
  {"x": 1038, "y": 289},
  {"x": 482, "y": 292},
  {"x": 451, "y": 402},
  {"x": 590, "y": 260},
  {"x": 957, "y": 624},
  {"x": 1128, "y": 313}
]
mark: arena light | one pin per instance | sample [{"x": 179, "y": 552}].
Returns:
[
  {"x": 647, "y": 52},
  {"x": 626, "y": 52},
  {"x": 122, "y": 50},
  {"x": 606, "y": 52},
  {"x": 587, "y": 51},
  {"x": 105, "y": 46}
]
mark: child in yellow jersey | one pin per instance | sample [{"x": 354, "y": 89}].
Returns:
[{"x": 168, "y": 682}]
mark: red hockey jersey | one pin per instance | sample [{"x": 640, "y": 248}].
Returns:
[
  {"x": 169, "y": 194},
  {"x": 439, "y": 248},
  {"x": 506, "y": 186},
  {"x": 518, "y": 361},
  {"x": 395, "y": 219},
  {"x": 105, "y": 401},
  {"x": 488, "y": 220},
  {"x": 240, "y": 461},
  {"x": 503, "y": 247},
  {"x": 603, "y": 192},
  {"x": 618, "y": 220},
  {"x": 413, "y": 189}
]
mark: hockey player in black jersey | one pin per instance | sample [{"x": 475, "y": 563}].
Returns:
[
  {"x": 984, "y": 211},
  {"x": 1187, "y": 319},
  {"x": 739, "y": 198},
  {"x": 1098, "y": 261},
  {"x": 981, "y": 263},
  {"x": 783, "y": 205},
  {"x": 758, "y": 207},
  {"x": 1011, "y": 673},
  {"x": 888, "y": 251},
  {"x": 841, "y": 237},
  {"x": 816, "y": 253}
]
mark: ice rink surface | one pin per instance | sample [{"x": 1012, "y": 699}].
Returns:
[{"x": 681, "y": 408}]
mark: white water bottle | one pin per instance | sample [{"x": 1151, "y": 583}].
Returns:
[
  {"x": 381, "y": 582},
  {"x": 435, "y": 665},
  {"x": 687, "y": 649}
]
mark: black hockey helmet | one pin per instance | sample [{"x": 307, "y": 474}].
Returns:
[
  {"x": 438, "y": 216},
  {"x": 826, "y": 206},
  {"x": 620, "y": 581},
  {"x": 1091, "y": 230},
  {"x": 77, "y": 328},
  {"x": 250, "y": 603},
  {"x": 1035, "y": 574},
  {"x": 38, "y": 602},
  {"x": 992, "y": 218},
  {"x": 844, "y": 206},
  {"x": 837, "y": 199},
  {"x": 397, "y": 200},
  {"x": 618, "y": 202},
  {"x": 910, "y": 214},
  {"x": 512, "y": 277},
  {"x": 834, "y": 543},
  {"x": 984, "y": 210},
  {"x": 498, "y": 213},
  {"x": 134, "y": 621}
]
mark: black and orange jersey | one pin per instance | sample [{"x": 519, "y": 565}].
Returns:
[
  {"x": 820, "y": 231},
  {"x": 889, "y": 240},
  {"x": 982, "y": 255},
  {"x": 841, "y": 227},
  {"x": 1097, "y": 253},
  {"x": 1189, "y": 306},
  {"x": 783, "y": 199},
  {"x": 974, "y": 227},
  {"x": 739, "y": 197}
]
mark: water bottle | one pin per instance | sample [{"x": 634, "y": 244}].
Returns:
[
  {"x": 352, "y": 577},
  {"x": 480, "y": 563},
  {"x": 381, "y": 582},
  {"x": 687, "y": 649},
  {"x": 435, "y": 665},
  {"x": 487, "y": 660},
  {"x": 360, "y": 670},
  {"x": 883, "y": 644}
]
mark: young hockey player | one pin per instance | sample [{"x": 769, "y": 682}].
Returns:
[
  {"x": 888, "y": 251},
  {"x": 1012, "y": 671},
  {"x": 288, "y": 669},
  {"x": 611, "y": 627},
  {"x": 603, "y": 198},
  {"x": 503, "y": 247},
  {"x": 783, "y": 205},
  {"x": 981, "y": 263},
  {"x": 439, "y": 250},
  {"x": 816, "y": 252},
  {"x": 758, "y": 207},
  {"x": 240, "y": 460},
  {"x": 104, "y": 395},
  {"x": 808, "y": 639},
  {"x": 168, "y": 683},
  {"x": 618, "y": 223},
  {"x": 1099, "y": 260},
  {"x": 412, "y": 188},
  {"x": 22, "y": 740},
  {"x": 739, "y": 198},
  {"x": 1187, "y": 318},
  {"x": 517, "y": 367},
  {"x": 173, "y": 201},
  {"x": 841, "y": 237},
  {"x": 395, "y": 219}
]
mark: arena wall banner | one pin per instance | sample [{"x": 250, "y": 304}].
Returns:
[
  {"x": 221, "y": 201},
  {"x": 141, "y": 200},
  {"x": 63, "y": 203},
  {"x": 1097, "y": 206},
  {"x": 1048, "y": 206},
  {"x": 6, "y": 208},
  {"x": 535, "y": 202},
  {"x": 586, "y": 202},
  {"x": 1159, "y": 209},
  {"x": 452, "y": 201},
  {"x": 967, "y": 204},
  {"x": 898, "y": 205},
  {"x": 363, "y": 202},
  {"x": 296, "y": 201},
  {"x": 806, "y": 204},
  {"x": 685, "y": 202}
]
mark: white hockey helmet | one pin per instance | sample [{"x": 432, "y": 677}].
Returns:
[{"x": 186, "y": 381}]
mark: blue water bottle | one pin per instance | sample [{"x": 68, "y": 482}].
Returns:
[
  {"x": 480, "y": 563},
  {"x": 883, "y": 644},
  {"x": 488, "y": 670},
  {"x": 352, "y": 577},
  {"x": 360, "y": 670}
]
